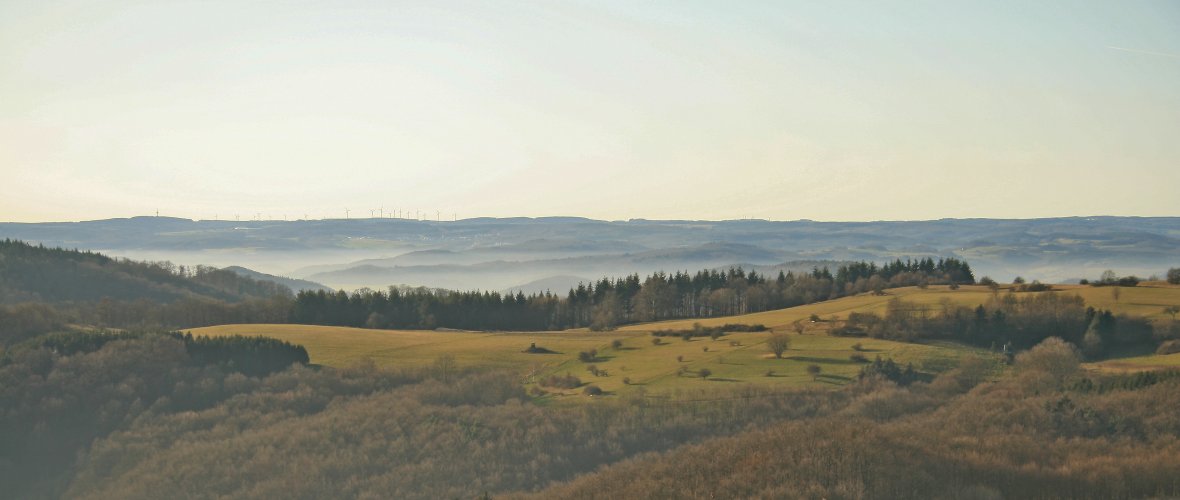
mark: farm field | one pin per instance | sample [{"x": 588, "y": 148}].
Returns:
[
  {"x": 736, "y": 358},
  {"x": 673, "y": 364}
]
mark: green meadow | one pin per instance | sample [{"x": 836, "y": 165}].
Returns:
[{"x": 732, "y": 360}]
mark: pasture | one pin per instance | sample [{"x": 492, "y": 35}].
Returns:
[{"x": 734, "y": 359}]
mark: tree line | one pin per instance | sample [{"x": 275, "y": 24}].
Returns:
[
  {"x": 1012, "y": 322},
  {"x": 609, "y": 302}
]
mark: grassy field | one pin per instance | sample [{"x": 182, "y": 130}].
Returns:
[
  {"x": 737, "y": 358},
  {"x": 1138, "y": 363},
  {"x": 674, "y": 363}
]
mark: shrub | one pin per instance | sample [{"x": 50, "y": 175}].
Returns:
[
  {"x": 588, "y": 356},
  {"x": 814, "y": 371},
  {"x": 561, "y": 382},
  {"x": 778, "y": 343},
  {"x": 680, "y": 359},
  {"x": 858, "y": 358},
  {"x": 858, "y": 347},
  {"x": 626, "y": 380},
  {"x": 616, "y": 344},
  {"x": 704, "y": 373},
  {"x": 656, "y": 340},
  {"x": 705, "y": 348},
  {"x": 592, "y": 390},
  {"x": 1054, "y": 358},
  {"x": 1168, "y": 347}
]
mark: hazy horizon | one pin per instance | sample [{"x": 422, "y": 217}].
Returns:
[
  {"x": 606, "y": 110},
  {"x": 560, "y": 216}
]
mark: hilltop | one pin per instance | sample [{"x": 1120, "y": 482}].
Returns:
[{"x": 55, "y": 275}]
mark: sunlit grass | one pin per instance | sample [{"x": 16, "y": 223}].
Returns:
[{"x": 736, "y": 358}]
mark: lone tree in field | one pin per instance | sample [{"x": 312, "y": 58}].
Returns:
[
  {"x": 1174, "y": 275},
  {"x": 814, "y": 371},
  {"x": 1173, "y": 310},
  {"x": 704, "y": 373},
  {"x": 778, "y": 344}
]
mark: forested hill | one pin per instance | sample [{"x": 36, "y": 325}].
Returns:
[{"x": 37, "y": 273}]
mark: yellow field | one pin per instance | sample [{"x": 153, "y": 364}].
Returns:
[
  {"x": 783, "y": 318},
  {"x": 737, "y": 358},
  {"x": 639, "y": 360},
  {"x": 1138, "y": 363}
]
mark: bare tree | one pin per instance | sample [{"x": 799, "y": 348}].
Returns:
[{"x": 778, "y": 343}]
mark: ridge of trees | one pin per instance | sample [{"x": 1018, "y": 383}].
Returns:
[
  {"x": 607, "y": 303},
  {"x": 1010, "y": 323},
  {"x": 36, "y": 273}
]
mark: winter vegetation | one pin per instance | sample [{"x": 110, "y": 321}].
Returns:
[{"x": 878, "y": 382}]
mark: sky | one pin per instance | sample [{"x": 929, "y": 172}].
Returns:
[{"x": 612, "y": 110}]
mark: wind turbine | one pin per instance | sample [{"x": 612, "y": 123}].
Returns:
[{"x": 346, "y": 213}]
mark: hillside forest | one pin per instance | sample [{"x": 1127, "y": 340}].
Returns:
[{"x": 100, "y": 398}]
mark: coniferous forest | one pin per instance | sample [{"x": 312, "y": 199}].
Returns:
[{"x": 41, "y": 287}]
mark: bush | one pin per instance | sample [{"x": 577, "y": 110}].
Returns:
[
  {"x": 814, "y": 371},
  {"x": 592, "y": 390},
  {"x": 656, "y": 341},
  {"x": 616, "y": 344},
  {"x": 858, "y": 358},
  {"x": 1168, "y": 347},
  {"x": 1053, "y": 358},
  {"x": 558, "y": 382},
  {"x": 704, "y": 373},
  {"x": 588, "y": 356},
  {"x": 778, "y": 343}
]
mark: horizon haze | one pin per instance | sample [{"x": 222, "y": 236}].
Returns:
[{"x": 607, "y": 110}]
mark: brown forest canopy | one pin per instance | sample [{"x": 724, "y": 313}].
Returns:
[{"x": 141, "y": 416}]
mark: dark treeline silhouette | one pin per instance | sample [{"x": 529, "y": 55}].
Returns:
[
  {"x": 1012, "y": 322},
  {"x": 43, "y": 289},
  {"x": 92, "y": 289},
  {"x": 31, "y": 273},
  {"x": 608, "y": 303}
]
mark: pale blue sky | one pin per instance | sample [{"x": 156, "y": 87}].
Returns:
[{"x": 614, "y": 110}]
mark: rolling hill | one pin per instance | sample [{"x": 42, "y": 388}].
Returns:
[
  {"x": 54, "y": 275},
  {"x": 736, "y": 358},
  {"x": 440, "y": 254}
]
